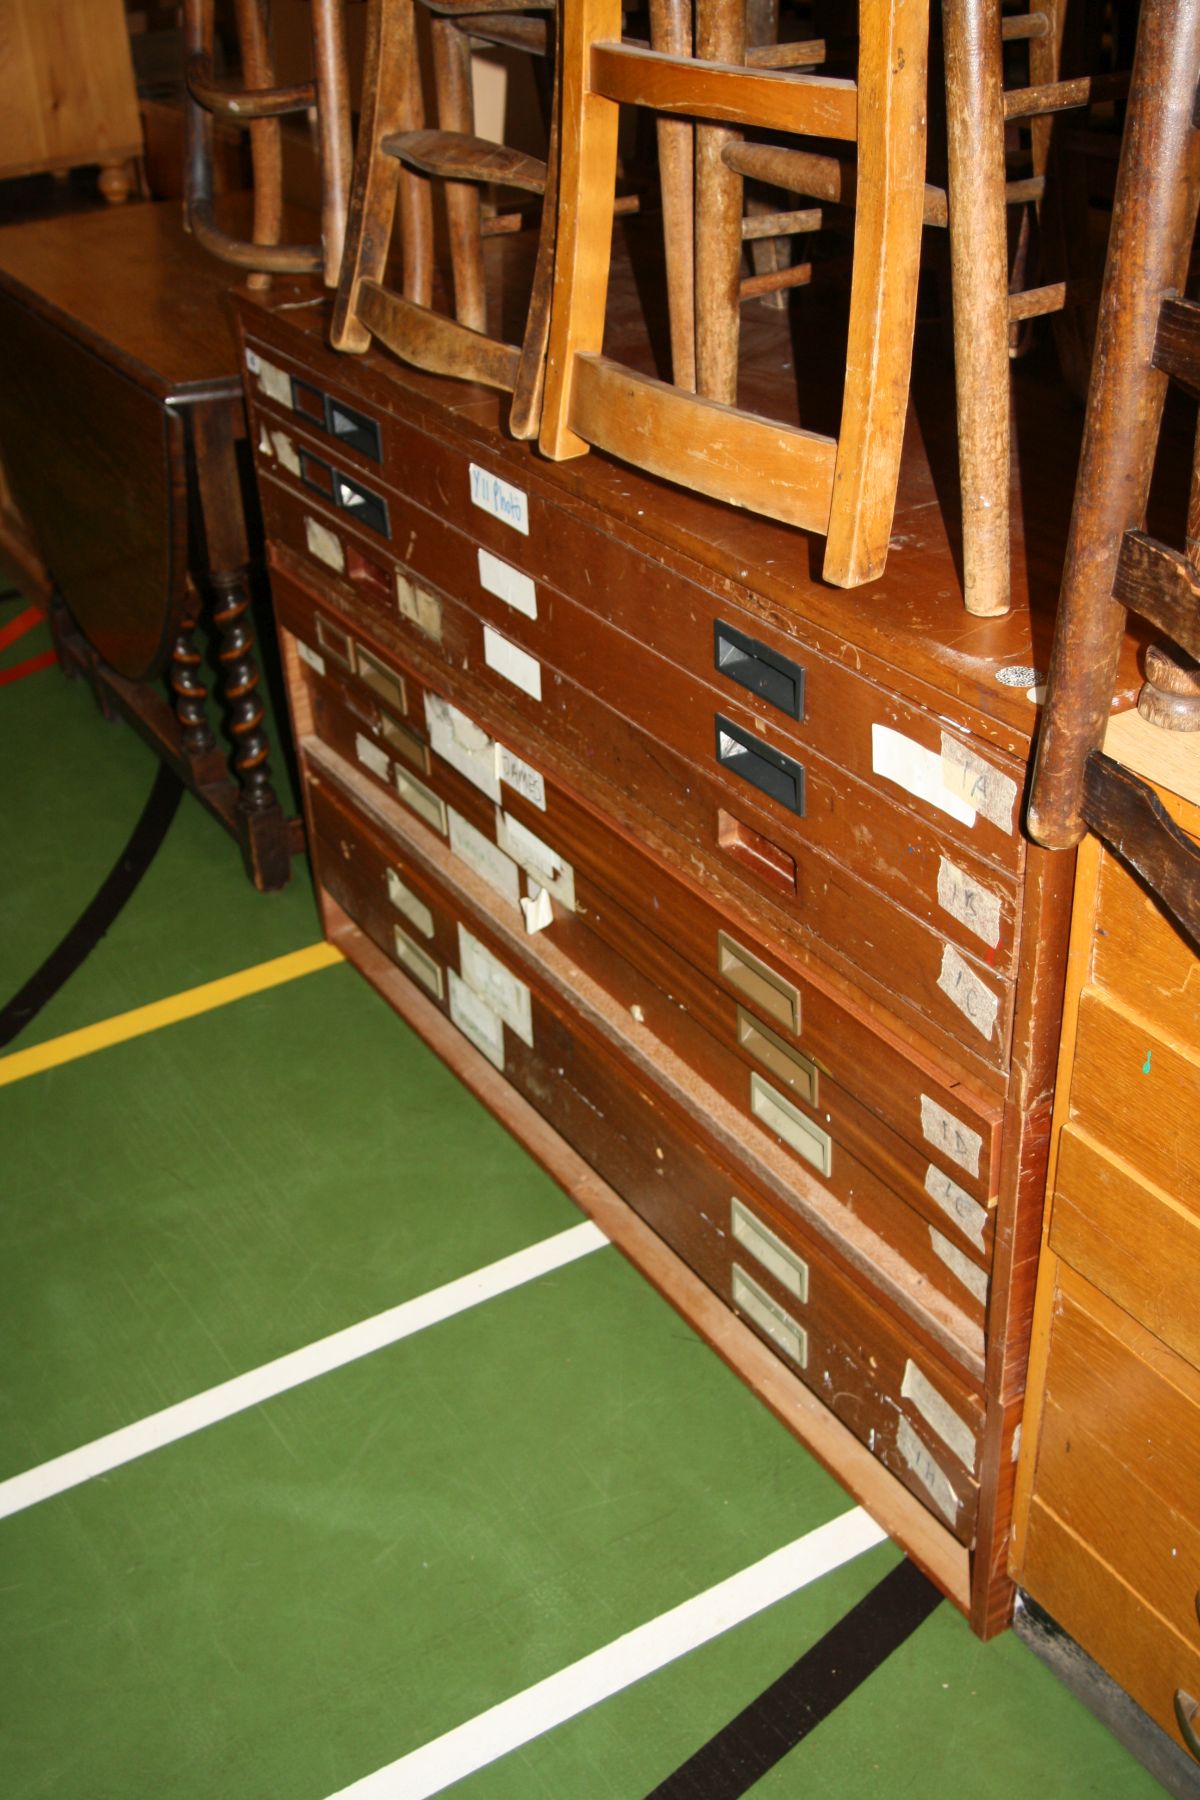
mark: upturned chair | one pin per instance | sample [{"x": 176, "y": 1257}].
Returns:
[
  {"x": 257, "y": 105},
  {"x": 1147, "y": 333},
  {"x": 398, "y": 160},
  {"x": 989, "y": 300},
  {"x": 842, "y": 488}
]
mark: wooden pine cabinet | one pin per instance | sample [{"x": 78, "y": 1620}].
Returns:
[
  {"x": 1107, "y": 1539},
  {"x": 69, "y": 95}
]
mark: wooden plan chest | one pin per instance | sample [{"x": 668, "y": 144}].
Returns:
[{"x": 710, "y": 879}]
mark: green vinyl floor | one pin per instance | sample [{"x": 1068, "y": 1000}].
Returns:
[{"x": 316, "y": 1585}]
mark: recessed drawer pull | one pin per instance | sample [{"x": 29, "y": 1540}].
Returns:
[
  {"x": 425, "y": 803},
  {"x": 764, "y": 672},
  {"x": 335, "y": 642},
  {"x": 405, "y": 743},
  {"x": 353, "y": 428},
  {"x": 778, "y": 1258},
  {"x": 761, "y": 1310},
  {"x": 769, "y": 991},
  {"x": 366, "y": 507},
  {"x": 797, "y": 1071},
  {"x": 1187, "y": 1711},
  {"x": 778, "y": 776},
  {"x": 418, "y": 962},
  {"x": 379, "y": 678},
  {"x": 798, "y": 1132}
]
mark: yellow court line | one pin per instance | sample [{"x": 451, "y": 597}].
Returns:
[{"x": 142, "y": 1019}]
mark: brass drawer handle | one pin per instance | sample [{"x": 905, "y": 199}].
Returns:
[
  {"x": 1186, "y": 1711},
  {"x": 761, "y": 984},
  {"x": 790, "y": 1066}
]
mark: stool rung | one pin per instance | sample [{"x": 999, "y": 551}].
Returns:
[
  {"x": 1062, "y": 96},
  {"x": 453, "y": 156},
  {"x": 245, "y": 105},
  {"x": 802, "y": 54},
  {"x": 1035, "y": 303},
  {"x": 1177, "y": 343},
  {"x": 1024, "y": 25},
  {"x": 1160, "y": 585},
  {"x": 510, "y": 32},
  {"x": 781, "y": 224}
]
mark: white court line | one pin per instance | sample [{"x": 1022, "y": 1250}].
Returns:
[
  {"x": 492, "y": 1734},
  {"x": 333, "y": 1352}
]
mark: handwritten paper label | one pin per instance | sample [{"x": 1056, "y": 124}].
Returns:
[
  {"x": 508, "y": 584},
  {"x": 968, "y": 901},
  {"x": 937, "y": 1412},
  {"x": 495, "y": 984},
  {"x": 488, "y": 862},
  {"x": 972, "y": 996},
  {"x": 421, "y": 609},
  {"x": 463, "y": 744},
  {"x": 957, "y": 1204},
  {"x": 973, "y": 1278},
  {"x": 546, "y": 866},
  {"x": 313, "y": 658},
  {"x": 949, "y": 1135},
  {"x": 538, "y": 910},
  {"x": 917, "y": 770},
  {"x": 500, "y": 498},
  {"x": 522, "y": 779},
  {"x": 476, "y": 1020},
  {"x": 285, "y": 450},
  {"x": 271, "y": 380},
  {"x": 418, "y": 962},
  {"x": 931, "y": 1476},
  {"x": 324, "y": 544},
  {"x": 989, "y": 791}
]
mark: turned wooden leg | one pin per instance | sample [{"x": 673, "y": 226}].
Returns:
[
  {"x": 116, "y": 182},
  {"x": 189, "y": 692},
  {"x": 244, "y": 711}
]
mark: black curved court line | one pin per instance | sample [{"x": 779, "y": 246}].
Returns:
[
  {"x": 101, "y": 912},
  {"x": 748, "y": 1747}
]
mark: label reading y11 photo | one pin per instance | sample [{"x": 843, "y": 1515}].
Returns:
[{"x": 500, "y": 498}]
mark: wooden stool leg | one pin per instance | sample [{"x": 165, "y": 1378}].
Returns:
[
  {"x": 266, "y": 142},
  {"x": 333, "y": 124},
  {"x": 456, "y": 112},
  {"x": 720, "y": 37},
  {"x": 1154, "y": 218},
  {"x": 671, "y": 32},
  {"x": 979, "y": 283},
  {"x": 391, "y": 101}
]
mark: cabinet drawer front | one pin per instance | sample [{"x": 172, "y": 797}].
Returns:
[
  {"x": 1141, "y": 960},
  {"x": 432, "y": 485},
  {"x": 921, "y": 1136},
  {"x": 1138, "y": 1095},
  {"x": 1101, "y": 1211},
  {"x": 921, "y": 1418}
]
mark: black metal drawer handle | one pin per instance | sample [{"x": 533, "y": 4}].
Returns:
[
  {"x": 763, "y": 671},
  {"x": 770, "y": 771}
]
